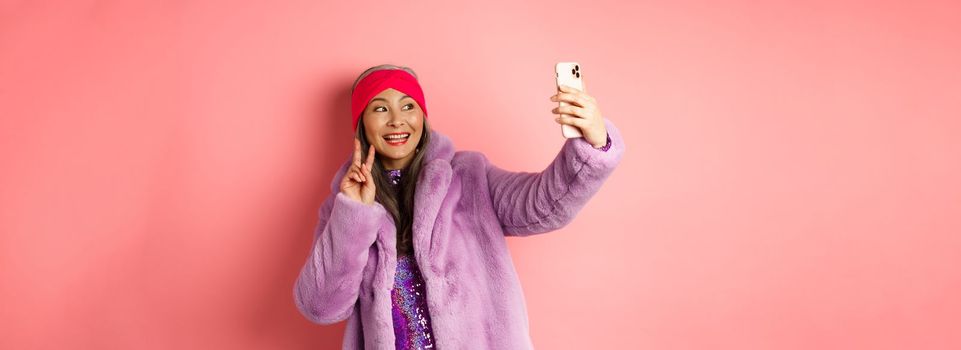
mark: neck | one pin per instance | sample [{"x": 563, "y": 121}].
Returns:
[{"x": 396, "y": 164}]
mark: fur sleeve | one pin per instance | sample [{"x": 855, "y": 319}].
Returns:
[
  {"x": 531, "y": 203},
  {"x": 329, "y": 282}
]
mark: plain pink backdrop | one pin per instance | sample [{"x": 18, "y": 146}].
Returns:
[{"x": 791, "y": 179}]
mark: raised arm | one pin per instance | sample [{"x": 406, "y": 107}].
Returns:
[
  {"x": 530, "y": 203},
  {"x": 329, "y": 282}
]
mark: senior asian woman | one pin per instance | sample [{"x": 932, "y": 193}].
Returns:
[{"x": 410, "y": 246}]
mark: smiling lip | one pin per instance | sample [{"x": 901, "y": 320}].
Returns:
[{"x": 398, "y": 142}]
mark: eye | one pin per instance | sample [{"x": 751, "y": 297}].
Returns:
[
  {"x": 409, "y": 104},
  {"x": 380, "y": 109}
]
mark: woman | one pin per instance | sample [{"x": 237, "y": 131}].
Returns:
[{"x": 410, "y": 246}]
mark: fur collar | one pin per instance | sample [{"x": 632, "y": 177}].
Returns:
[{"x": 432, "y": 186}]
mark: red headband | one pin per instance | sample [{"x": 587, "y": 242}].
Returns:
[{"x": 379, "y": 81}]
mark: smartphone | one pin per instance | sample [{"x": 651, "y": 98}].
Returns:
[{"x": 569, "y": 73}]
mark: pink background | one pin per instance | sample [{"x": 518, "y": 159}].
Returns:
[{"x": 791, "y": 178}]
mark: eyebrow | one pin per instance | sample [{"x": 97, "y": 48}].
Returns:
[{"x": 382, "y": 99}]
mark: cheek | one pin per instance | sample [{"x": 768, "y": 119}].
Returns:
[
  {"x": 369, "y": 129},
  {"x": 371, "y": 139},
  {"x": 419, "y": 120}
]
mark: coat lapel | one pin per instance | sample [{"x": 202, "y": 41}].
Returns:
[
  {"x": 432, "y": 187},
  {"x": 431, "y": 190}
]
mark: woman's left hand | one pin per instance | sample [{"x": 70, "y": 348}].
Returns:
[{"x": 582, "y": 113}]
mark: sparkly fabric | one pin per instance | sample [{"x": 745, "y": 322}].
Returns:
[
  {"x": 412, "y": 325},
  {"x": 394, "y": 176},
  {"x": 608, "y": 145}
]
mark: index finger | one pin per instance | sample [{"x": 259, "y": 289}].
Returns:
[
  {"x": 370, "y": 157},
  {"x": 569, "y": 89},
  {"x": 577, "y": 92},
  {"x": 357, "y": 152}
]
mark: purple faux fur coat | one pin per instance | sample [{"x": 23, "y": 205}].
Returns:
[{"x": 464, "y": 207}]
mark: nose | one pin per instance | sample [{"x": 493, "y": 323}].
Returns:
[{"x": 395, "y": 120}]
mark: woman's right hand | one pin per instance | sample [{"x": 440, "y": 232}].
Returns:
[{"x": 357, "y": 183}]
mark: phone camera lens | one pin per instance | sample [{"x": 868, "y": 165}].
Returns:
[
  {"x": 577, "y": 75},
  {"x": 576, "y": 67},
  {"x": 573, "y": 71}
]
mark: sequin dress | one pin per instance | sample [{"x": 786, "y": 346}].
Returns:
[{"x": 412, "y": 326}]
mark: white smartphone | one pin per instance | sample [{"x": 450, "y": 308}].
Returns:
[{"x": 568, "y": 73}]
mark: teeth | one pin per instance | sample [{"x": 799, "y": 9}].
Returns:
[{"x": 397, "y": 137}]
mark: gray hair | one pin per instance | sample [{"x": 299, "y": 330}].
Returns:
[{"x": 381, "y": 67}]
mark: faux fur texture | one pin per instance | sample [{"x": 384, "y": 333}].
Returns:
[{"x": 464, "y": 208}]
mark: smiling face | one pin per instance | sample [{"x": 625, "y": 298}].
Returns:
[{"x": 393, "y": 123}]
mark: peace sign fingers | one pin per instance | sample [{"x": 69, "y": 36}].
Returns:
[
  {"x": 368, "y": 164},
  {"x": 370, "y": 158},
  {"x": 357, "y": 154}
]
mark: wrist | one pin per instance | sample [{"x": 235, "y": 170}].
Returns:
[{"x": 604, "y": 146}]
